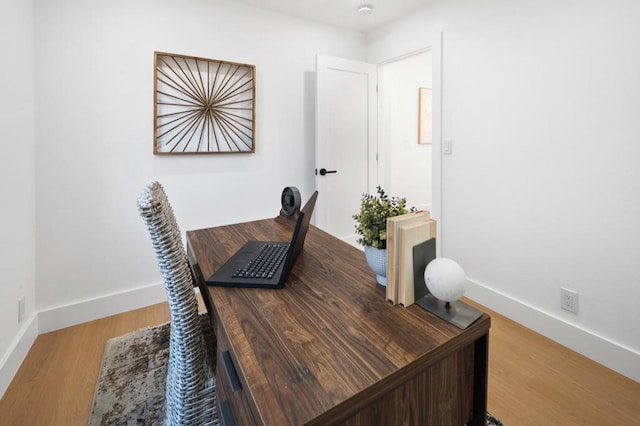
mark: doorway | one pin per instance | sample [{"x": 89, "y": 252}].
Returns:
[
  {"x": 379, "y": 166},
  {"x": 406, "y": 170}
]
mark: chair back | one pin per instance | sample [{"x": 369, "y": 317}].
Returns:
[{"x": 185, "y": 374}]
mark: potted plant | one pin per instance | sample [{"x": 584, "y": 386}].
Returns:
[{"x": 371, "y": 226}]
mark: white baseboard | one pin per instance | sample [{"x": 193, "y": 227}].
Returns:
[
  {"x": 352, "y": 241},
  {"x": 75, "y": 313},
  {"x": 600, "y": 349},
  {"x": 88, "y": 310},
  {"x": 610, "y": 354},
  {"x": 17, "y": 352},
  {"x": 426, "y": 207}
]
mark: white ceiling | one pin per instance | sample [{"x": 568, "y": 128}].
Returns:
[{"x": 342, "y": 13}]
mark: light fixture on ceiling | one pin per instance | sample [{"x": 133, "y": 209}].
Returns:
[{"x": 365, "y": 9}]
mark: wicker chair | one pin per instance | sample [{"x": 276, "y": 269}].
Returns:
[{"x": 191, "y": 384}]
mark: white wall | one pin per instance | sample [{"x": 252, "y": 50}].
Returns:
[
  {"x": 94, "y": 127},
  {"x": 407, "y": 167},
  {"x": 542, "y": 189},
  {"x": 17, "y": 183}
]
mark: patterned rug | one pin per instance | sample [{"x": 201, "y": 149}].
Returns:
[{"x": 130, "y": 388}]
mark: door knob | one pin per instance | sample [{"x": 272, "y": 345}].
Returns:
[{"x": 324, "y": 171}]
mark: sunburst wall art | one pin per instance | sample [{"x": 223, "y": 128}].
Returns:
[{"x": 203, "y": 105}]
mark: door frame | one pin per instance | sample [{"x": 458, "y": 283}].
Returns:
[{"x": 437, "y": 91}]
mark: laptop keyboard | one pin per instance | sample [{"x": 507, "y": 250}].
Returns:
[{"x": 265, "y": 264}]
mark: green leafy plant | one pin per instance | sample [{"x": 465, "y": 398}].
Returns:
[{"x": 371, "y": 220}]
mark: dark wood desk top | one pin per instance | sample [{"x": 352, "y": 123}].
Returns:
[{"x": 327, "y": 343}]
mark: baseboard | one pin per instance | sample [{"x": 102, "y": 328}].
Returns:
[
  {"x": 426, "y": 207},
  {"x": 600, "y": 349},
  {"x": 75, "y": 313},
  {"x": 88, "y": 310},
  {"x": 17, "y": 352}
]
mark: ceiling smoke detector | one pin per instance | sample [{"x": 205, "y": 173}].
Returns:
[{"x": 365, "y": 9}]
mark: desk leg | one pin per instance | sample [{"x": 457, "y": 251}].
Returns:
[
  {"x": 198, "y": 281},
  {"x": 480, "y": 379}
]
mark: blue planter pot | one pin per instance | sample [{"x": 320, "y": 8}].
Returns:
[{"x": 377, "y": 261}]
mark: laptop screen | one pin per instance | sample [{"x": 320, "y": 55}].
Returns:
[{"x": 299, "y": 234}]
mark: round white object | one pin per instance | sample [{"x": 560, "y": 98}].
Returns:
[{"x": 445, "y": 279}]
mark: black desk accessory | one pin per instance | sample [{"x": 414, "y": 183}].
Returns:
[
  {"x": 290, "y": 201},
  {"x": 458, "y": 313}
]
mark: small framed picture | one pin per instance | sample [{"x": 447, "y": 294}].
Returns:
[{"x": 425, "y": 116}]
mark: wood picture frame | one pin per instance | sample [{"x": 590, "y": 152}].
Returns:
[
  {"x": 202, "y": 106},
  {"x": 425, "y": 116}
]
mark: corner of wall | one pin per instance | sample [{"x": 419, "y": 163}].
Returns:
[
  {"x": 72, "y": 314},
  {"x": 17, "y": 352}
]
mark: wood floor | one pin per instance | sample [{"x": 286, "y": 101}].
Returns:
[{"x": 532, "y": 380}]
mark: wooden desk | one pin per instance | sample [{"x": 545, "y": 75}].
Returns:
[{"x": 328, "y": 348}]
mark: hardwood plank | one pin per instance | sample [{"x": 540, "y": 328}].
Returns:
[
  {"x": 532, "y": 380},
  {"x": 56, "y": 382}
]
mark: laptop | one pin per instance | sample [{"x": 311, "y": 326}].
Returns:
[{"x": 265, "y": 264}]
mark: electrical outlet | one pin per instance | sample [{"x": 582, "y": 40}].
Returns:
[
  {"x": 21, "y": 309},
  {"x": 569, "y": 300}
]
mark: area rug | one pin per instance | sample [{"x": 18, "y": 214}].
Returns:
[{"x": 130, "y": 388}]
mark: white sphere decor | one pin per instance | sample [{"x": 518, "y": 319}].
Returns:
[{"x": 445, "y": 279}]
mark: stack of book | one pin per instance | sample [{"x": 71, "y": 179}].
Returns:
[{"x": 403, "y": 233}]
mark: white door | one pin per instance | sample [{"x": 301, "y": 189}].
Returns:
[{"x": 346, "y": 152}]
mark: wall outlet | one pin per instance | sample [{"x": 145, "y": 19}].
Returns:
[
  {"x": 21, "y": 309},
  {"x": 569, "y": 300}
]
